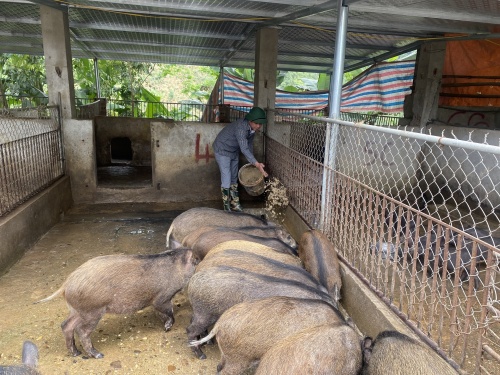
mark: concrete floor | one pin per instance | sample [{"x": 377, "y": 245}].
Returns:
[
  {"x": 124, "y": 176},
  {"x": 132, "y": 344}
]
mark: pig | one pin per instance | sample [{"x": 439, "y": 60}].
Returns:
[
  {"x": 121, "y": 284},
  {"x": 320, "y": 350},
  {"x": 319, "y": 257},
  {"x": 463, "y": 269},
  {"x": 276, "y": 232},
  {"x": 247, "y": 330},
  {"x": 197, "y": 217},
  {"x": 209, "y": 239},
  {"x": 255, "y": 248},
  {"x": 214, "y": 290},
  {"x": 29, "y": 362},
  {"x": 482, "y": 251},
  {"x": 393, "y": 352},
  {"x": 246, "y": 260},
  {"x": 388, "y": 251},
  {"x": 435, "y": 247}
]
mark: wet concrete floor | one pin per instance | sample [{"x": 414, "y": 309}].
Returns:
[{"x": 132, "y": 344}]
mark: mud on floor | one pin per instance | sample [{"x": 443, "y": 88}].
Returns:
[{"x": 131, "y": 344}]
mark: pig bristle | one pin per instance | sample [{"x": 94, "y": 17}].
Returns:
[
  {"x": 202, "y": 340},
  {"x": 168, "y": 235},
  {"x": 53, "y": 295}
]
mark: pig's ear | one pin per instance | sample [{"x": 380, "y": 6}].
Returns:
[
  {"x": 366, "y": 347},
  {"x": 367, "y": 342},
  {"x": 191, "y": 257},
  {"x": 196, "y": 260}
]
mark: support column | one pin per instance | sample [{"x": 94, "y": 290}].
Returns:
[
  {"x": 58, "y": 64},
  {"x": 427, "y": 82},
  {"x": 266, "y": 62},
  {"x": 332, "y": 130}
]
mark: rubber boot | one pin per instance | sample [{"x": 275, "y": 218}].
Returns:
[
  {"x": 225, "y": 199},
  {"x": 235, "y": 199}
]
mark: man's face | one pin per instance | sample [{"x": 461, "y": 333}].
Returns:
[{"x": 255, "y": 126}]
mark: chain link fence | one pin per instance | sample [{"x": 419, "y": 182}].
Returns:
[
  {"x": 415, "y": 215},
  {"x": 31, "y": 153}
]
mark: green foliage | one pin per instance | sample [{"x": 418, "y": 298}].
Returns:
[
  {"x": 299, "y": 82},
  {"x": 243, "y": 73},
  {"x": 349, "y": 76},
  {"x": 323, "y": 81},
  {"x": 84, "y": 77},
  {"x": 288, "y": 81},
  {"x": 23, "y": 75},
  {"x": 184, "y": 82}
]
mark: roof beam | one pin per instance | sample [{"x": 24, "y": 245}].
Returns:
[
  {"x": 443, "y": 14},
  {"x": 177, "y": 5},
  {"x": 384, "y": 56},
  {"x": 204, "y": 11},
  {"x": 95, "y": 41},
  {"x": 20, "y": 34},
  {"x": 147, "y": 30},
  {"x": 331, "y": 46},
  {"x": 395, "y": 27},
  {"x": 26, "y": 45},
  {"x": 51, "y": 3},
  {"x": 309, "y": 11},
  {"x": 22, "y": 20}
]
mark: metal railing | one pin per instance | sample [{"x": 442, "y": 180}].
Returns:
[
  {"x": 186, "y": 111},
  {"x": 22, "y": 102},
  {"x": 31, "y": 153},
  {"x": 414, "y": 215}
]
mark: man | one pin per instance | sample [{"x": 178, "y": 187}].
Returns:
[{"x": 235, "y": 137}]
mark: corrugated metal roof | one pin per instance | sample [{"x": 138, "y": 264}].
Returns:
[{"x": 222, "y": 32}]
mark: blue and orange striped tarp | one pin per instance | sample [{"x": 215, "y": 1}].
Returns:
[{"x": 381, "y": 88}]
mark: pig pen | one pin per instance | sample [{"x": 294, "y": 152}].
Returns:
[{"x": 134, "y": 343}]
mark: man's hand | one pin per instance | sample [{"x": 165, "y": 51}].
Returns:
[{"x": 261, "y": 166}]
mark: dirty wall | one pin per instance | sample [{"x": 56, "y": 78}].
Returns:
[{"x": 182, "y": 159}]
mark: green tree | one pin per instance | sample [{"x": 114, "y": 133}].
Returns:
[
  {"x": 23, "y": 75},
  {"x": 186, "y": 82},
  {"x": 84, "y": 78}
]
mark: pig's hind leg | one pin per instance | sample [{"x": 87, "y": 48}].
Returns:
[
  {"x": 68, "y": 327},
  {"x": 199, "y": 325},
  {"x": 166, "y": 312},
  {"x": 88, "y": 322}
]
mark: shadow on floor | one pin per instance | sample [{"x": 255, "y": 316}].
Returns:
[{"x": 124, "y": 176}]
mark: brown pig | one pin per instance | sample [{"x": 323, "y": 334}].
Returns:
[
  {"x": 254, "y": 248},
  {"x": 320, "y": 258},
  {"x": 393, "y": 352},
  {"x": 205, "y": 241},
  {"x": 321, "y": 350},
  {"x": 195, "y": 218},
  {"x": 213, "y": 290},
  {"x": 277, "y": 232},
  {"x": 246, "y": 331},
  {"x": 121, "y": 284}
]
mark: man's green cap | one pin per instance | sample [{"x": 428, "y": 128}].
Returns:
[{"x": 257, "y": 115}]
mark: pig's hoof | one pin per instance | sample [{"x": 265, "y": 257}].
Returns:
[
  {"x": 75, "y": 352},
  {"x": 197, "y": 352},
  {"x": 96, "y": 354}
]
